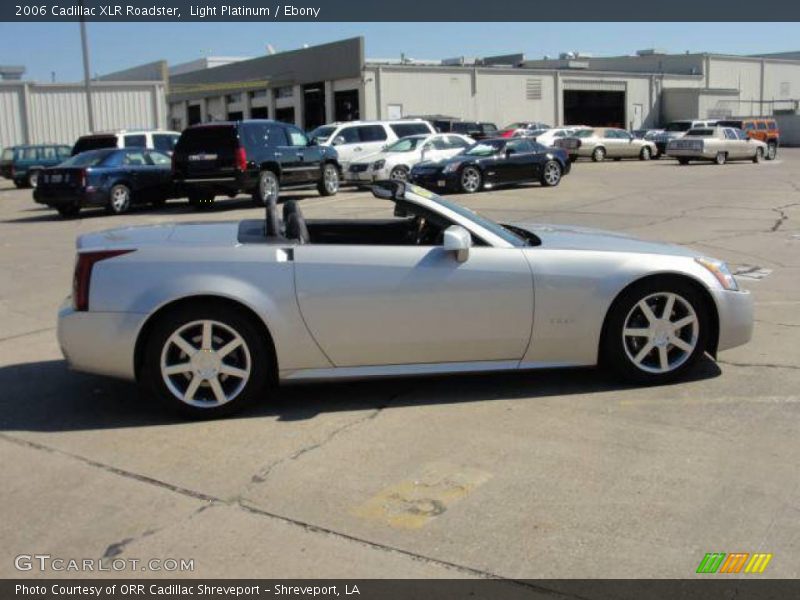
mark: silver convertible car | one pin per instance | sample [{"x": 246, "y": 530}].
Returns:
[{"x": 209, "y": 316}]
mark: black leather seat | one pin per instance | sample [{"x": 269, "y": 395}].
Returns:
[{"x": 295, "y": 223}]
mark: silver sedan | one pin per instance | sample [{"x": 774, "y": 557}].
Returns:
[{"x": 209, "y": 315}]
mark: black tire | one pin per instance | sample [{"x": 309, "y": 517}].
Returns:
[
  {"x": 645, "y": 153},
  {"x": 268, "y": 185},
  {"x": 201, "y": 201},
  {"x": 617, "y": 159},
  {"x": 599, "y": 154},
  {"x": 683, "y": 161},
  {"x": 573, "y": 158},
  {"x": 68, "y": 211},
  {"x": 551, "y": 174},
  {"x": 616, "y": 351},
  {"x": 120, "y": 199},
  {"x": 721, "y": 158},
  {"x": 33, "y": 178},
  {"x": 470, "y": 179},
  {"x": 399, "y": 173},
  {"x": 20, "y": 184},
  {"x": 258, "y": 351},
  {"x": 772, "y": 151},
  {"x": 328, "y": 185},
  {"x": 758, "y": 156}
]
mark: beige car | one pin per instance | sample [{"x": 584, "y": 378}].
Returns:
[
  {"x": 599, "y": 143},
  {"x": 718, "y": 144}
]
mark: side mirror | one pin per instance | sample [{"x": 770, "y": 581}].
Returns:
[
  {"x": 457, "y": 240},
  {"x": 338, "y": 140}
]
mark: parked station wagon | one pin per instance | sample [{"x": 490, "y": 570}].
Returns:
[
  {"x": 22, "y": 164},
  {"x": 600, "y": 143},
  {"x": 719, "y": 144}
]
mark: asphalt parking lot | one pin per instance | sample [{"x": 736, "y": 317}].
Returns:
[{"x": 555, "y": 474}]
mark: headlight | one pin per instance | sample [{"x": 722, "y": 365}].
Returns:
[
  {"x": 451, "y": 167},
  {"x": 378, "y": 164},
  {"x": 720, "y": 270}
]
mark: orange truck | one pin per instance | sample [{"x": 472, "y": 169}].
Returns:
[{"x": 760, "y": 128}]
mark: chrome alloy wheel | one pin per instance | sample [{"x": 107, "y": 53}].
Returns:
[
  {"x": 471, "y": 179},
  {"x": 205, "y": 363},
  {"x": 120, "y": 199},
  {"x": 660, "y": 332},
  {"x": 268, "y": 187},
  {"x": 330, "y": 179},
  {"x": 552, "y": 173}
]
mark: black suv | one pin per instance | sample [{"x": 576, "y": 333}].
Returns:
[{"x": 258, "y": 157}]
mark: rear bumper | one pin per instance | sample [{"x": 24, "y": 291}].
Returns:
[
  {"x": 735, "y": 318},
  {"x": 231, "y": 184},
  {"x": 97, "y": 342},
  {"x": 56, "y": 198}
]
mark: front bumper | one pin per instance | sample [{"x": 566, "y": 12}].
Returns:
[
  {"x": 99, "y": 342},
  {"x": 735, "y": 311},
  {"x": 435, "y": 181}
]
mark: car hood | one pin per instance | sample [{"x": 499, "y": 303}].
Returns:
[
  {"x": 199, "y": 233},
  {"x": 568, "y": 237}
]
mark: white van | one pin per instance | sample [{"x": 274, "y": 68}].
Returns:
[
  {"x": 356, "y": 139},
  {"x": 153, "y": 139}
]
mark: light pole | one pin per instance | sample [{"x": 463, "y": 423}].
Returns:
[{"x": 86, "y": 82}]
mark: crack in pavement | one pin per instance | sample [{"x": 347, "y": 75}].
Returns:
[
  {"x": 27, "y": 333},
  {"x": 758, "y": 365},
  {"x": 305, "y": 526},
  {"x": 263, "y": 474}
]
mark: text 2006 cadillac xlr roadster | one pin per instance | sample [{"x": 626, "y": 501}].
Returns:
[{"x": 208, "y": 315}]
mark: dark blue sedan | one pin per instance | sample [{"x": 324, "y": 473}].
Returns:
[{"x": 113, "y": 178}]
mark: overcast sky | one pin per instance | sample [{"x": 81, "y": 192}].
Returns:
[{"x": 55, "y": 47}]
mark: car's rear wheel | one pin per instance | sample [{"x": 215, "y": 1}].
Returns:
[
  {"x": 721, "y": 158},
  {"x": 329, "y": 184},
  {"x": 201, "y": 201},
  {"x": 599, "y": 154},
  {"x": 758, "y": 156},
  {"x": 399, "y": 174},
  {"x": 207, "y": 360},
  {"x": 471, "y": 180},
  {"x": 119, "y": 200},
  {"x": 551, "y": 174},
  {"x": 69, "y": 210},
  {"x": 645, "y": 153},
  {"x": 772, "y": 151},
  {"x": 268, "y": 189},
  {"x": 656, "y": 331}
]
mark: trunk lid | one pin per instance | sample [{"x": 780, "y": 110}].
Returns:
[{"x": 220, "y": 233}]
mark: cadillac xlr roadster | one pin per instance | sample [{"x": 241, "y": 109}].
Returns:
[{"x": 209, "y": 316}]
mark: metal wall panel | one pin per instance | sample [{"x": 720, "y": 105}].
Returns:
[{"x": 11, "y": 121}]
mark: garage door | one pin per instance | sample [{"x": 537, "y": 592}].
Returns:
[{"x": 597, "y": 103}]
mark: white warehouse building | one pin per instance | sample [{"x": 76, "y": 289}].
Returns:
[{"x": 334, "y": 82}]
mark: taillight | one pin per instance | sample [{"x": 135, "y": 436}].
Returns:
[
  {"x": 83, "y": 275},
  {"x": 241, "y": 159},
  {"x": 82, "y": 178}
]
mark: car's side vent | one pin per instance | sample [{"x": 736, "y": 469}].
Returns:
[{"x": 533, "y": 89}]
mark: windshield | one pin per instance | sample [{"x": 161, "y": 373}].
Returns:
[
  {"x": 700, "y": 132},
  {"x": 497, "y": 229},
  {"x": 322, "y": 133},
  {"x": 679, "y": 126},
  {"x": 486, "y": 148},
  {"x": 92, "y": 158},
  {"x": 405, "y": 145}
]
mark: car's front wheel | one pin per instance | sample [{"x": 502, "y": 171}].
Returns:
[
  {"x": 758, "y": 156},
  {"x": 551, "y": 174},
  {"x": 329, "y": 184},
  {"x": 399, "y": 174},
  {"x": 207, "y": 360},
  {"x": 268, "y": 189},
  {"x": 471, "y": 180},
  {"x": 645, "y": 154},
  {"x": 656, "y": 331}
]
